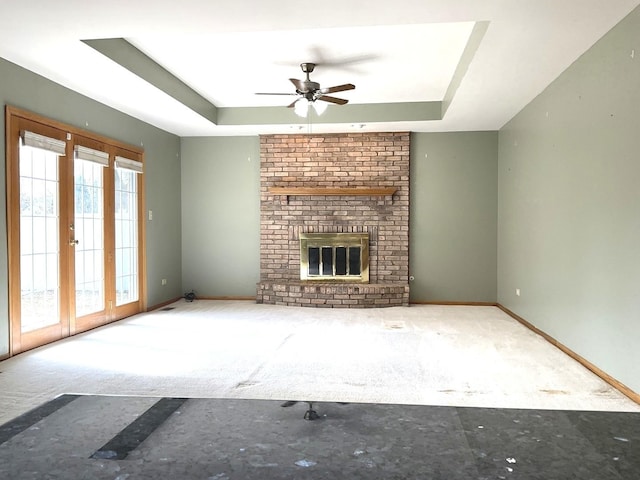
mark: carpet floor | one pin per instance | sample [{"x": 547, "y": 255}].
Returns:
[{"x": 418, "y": 355}]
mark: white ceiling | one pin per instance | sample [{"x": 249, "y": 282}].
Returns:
[{"x": 394, "y": 52}]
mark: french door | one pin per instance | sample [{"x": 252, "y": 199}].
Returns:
[{"x": 74, "y": 222}]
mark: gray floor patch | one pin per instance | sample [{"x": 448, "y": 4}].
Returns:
[{"x": 137, "y": 432}]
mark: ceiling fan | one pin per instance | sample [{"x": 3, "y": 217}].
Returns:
[{"x": 309, "y": 91}]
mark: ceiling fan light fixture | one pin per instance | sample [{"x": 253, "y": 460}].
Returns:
[
  {"x": 302, "y": 107},
  {"x": 319, "y": 107}
]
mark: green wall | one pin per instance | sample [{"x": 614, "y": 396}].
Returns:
[
  {"x": 569, "y": 206},
  {"x": 221, "y": 215},
  {"x": 26, "y": 90},
  {"x": 453, "y": 217}
]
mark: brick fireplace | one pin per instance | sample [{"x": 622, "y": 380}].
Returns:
[{"x": 347, "y": 183}]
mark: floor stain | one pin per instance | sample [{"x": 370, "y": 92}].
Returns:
[
  {"x": 554, "y": 392},
  {"x": 246, "y": 384},
  {"x": 394, "y": 325}
]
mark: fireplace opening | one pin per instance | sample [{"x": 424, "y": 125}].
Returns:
[
  {"x": 334, "y": 261},
  {"x": 334, "y": 257}
]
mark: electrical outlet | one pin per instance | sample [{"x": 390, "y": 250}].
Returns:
[
  {"x": 164, "y": 281},
  {"x": 517, "y": 292}
]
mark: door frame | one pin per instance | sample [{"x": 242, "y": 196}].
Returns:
[{"x": 13, "y": 118}]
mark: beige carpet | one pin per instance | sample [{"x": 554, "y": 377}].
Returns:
[{"x": 430, "y": 355}]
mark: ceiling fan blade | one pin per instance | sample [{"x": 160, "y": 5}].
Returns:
[
  {"x": 338, "y": 88},
  {"x": 337, "y": 101},
  {"x": 299, "y": 84},
  {"x": 293, "y": 104}
]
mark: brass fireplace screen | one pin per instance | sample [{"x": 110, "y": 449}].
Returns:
[{"x": 334, "y": 257}]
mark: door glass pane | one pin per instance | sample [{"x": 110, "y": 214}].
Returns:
[
  {"x": 327, "y": 261},
  {"x": 39, "y": 239},
  {"x": 314, "y": 261},
  {"x": 354, "y": 260},
  {"x": 88, "y": 231},
  {"x": 341, "y": 260},
  {"x": 126, "y": 233}
]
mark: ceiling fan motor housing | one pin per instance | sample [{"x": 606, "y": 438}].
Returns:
[{"x": 310, "y": 87}]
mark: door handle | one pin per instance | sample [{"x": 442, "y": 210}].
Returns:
[{"x": 73, "y": 243}]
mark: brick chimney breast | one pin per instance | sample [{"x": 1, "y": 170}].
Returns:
[{"x": 350, "y": 176}]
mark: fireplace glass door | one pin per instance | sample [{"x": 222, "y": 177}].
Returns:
[{"x": 336, "y": 257}]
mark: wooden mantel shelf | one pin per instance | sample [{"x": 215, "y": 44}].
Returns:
[{"x": 370, "y": 192}]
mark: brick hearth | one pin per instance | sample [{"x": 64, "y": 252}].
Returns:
[{"x": 373, "y": 161}]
